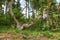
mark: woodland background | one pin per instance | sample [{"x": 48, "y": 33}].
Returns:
[{"x": 37, "y": 18}]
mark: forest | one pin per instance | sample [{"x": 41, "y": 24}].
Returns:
[{"x": 29, "y": 20}]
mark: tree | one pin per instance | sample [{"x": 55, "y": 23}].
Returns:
[{"x": 10, "y": 10}]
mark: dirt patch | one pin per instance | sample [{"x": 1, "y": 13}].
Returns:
[
  {"x": 12, "y": 36},
  {"x": 44, "y": 38},
  {"x": 8, "y": 36}
]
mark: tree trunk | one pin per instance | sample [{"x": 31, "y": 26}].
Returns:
[
  {"x": 33, "y": 14},
  {"x": 20, "y": 27},
  {"x": 28, "y": 9},
  {"x": 13, "y": 16}
]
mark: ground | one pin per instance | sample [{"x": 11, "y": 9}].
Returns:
[
  {"x": 17, "y": 36},
  {"x": 27, "y": 34}
]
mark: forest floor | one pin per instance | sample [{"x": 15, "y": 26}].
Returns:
[{"x": 14, "y": 34}]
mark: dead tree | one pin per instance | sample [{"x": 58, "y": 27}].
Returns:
[{"x": 19, "y": 26}]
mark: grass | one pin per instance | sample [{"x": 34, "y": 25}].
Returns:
[
  {"x": 50, "y": 34},
  {"x": 29, "y": 30}
]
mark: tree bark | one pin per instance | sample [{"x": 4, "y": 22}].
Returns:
[
  {"x": 19, "y": 26},
  {"x": 33, "y": 14},
  {"x": 12, "y": 15}
]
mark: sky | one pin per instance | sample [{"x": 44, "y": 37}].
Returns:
[
  {"x": 23, "y": 4},
  {"x": 58, "y": 1}
]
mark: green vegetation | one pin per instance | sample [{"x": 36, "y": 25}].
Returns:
[{"x": 43, "y": 22}]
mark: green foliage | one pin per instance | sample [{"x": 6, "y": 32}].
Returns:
[
  {"x": 20, "y": 16},
  {"x": 48, "y": 34},
  {"x": 15, "y": 10},
  {"x": 9, "y": 20},
  {"x": 41, "y": 24},
  {"x": 6, "y": 20},
  {"x": 1, "y": 12}
]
